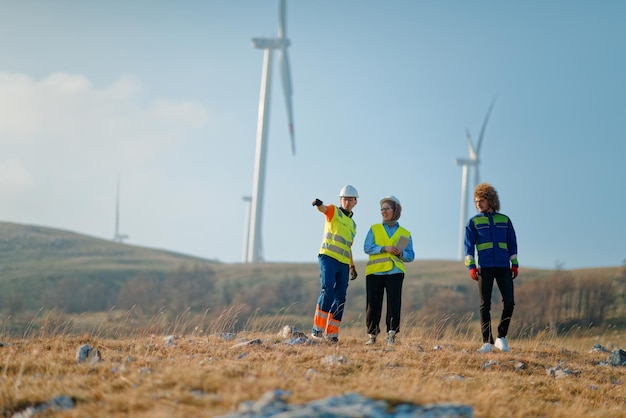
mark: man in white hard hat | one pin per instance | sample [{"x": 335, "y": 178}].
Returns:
[{"x": 336, "y": 264}]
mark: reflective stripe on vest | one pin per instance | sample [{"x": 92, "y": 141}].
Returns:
[
  {"x": 338, "y": 235},
  {"x": 382, "y": 262}
]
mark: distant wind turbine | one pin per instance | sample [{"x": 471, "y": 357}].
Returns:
[
  {"x": 472, "y": 161},
  {"x": 268, "y": 45},
  {"x": 118, "y": 237}
]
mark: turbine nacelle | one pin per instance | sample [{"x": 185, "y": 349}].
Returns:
[
  {"x": 270, "y": 43},
  {"x": 467, "y": 161}
]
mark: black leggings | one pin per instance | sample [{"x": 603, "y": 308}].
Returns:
[{"x": 375, "y": 286}]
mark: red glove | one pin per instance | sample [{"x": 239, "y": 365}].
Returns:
[
  {"x": 474, "y": 273},
  {"x": 514, "y": 271}
]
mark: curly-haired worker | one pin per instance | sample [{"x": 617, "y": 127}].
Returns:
[{"x": 492, "y": 235}]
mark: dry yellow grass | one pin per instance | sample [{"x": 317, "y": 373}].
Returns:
[{"x": 204, "y": 376}]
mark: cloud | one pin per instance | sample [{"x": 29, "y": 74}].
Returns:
[
  {"x": 64, "y": 141},
  {"x": 63, "y": 119},
  {"x": 13, "y": 175}
]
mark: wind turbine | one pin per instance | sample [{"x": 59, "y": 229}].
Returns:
[
  {"x": 472, "y": 161},
  {"x": 268, "y": 45},
  {"x": 118, "y": 237}
]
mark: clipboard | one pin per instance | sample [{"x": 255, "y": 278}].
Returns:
[{"x": 402, "y": 243}]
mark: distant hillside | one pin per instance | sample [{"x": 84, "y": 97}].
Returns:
[
  {"x": 28, "y": 251},
  {"x": 46, "y": 268}
]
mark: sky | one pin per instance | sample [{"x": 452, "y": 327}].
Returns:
[{"x": 163, "y": 96}]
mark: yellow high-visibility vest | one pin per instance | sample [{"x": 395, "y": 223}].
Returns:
[
  {"x": 381, "y": 262},
  {"x": 339, "y": 234}
]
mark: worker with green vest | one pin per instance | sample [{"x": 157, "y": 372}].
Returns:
[
  {"x": 389, "y": 246},
  {"x": 336, "y": 264},
  {"x": 492, "y": 235}
]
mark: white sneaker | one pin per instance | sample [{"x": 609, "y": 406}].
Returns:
[
  {"x": 317, "y": 335},
  {"x": 372, "y": 340},
  {"x": 501, "y": 344},
  {"x": 392, "y": 338},
  {"x": 486, "y": 348}
]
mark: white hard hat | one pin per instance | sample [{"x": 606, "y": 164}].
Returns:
[
  {"x": 393, "y": 199},
  {"x": 348, "y": 191}
]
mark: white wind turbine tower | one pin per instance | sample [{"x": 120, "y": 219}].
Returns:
[
  {"x": 268, "y": 45},
  {"x": 472, "y": 161},
  {"x": 246, "y": 231},
  {"x": 118, "y": 237}
]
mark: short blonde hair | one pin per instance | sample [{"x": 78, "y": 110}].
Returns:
[{"x": 488, "y": 192}]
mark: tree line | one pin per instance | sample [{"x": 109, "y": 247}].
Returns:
[{"x": 556, "y": 304}]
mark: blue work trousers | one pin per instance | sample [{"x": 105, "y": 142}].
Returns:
[{"x": 334, "y": 277}]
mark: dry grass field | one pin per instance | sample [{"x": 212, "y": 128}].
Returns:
[
  {"x": 207, "y": 374},
  {"x": 61, "y": 291}
]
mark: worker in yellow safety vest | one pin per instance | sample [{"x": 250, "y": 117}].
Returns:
[
  {"x": 389, "y": 246},
  {"x": 336, "y": 265}
]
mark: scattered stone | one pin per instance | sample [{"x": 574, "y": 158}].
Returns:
[
  {"x": 86, "y": 353},
  {"x": 334, "y": 359},
  {"x": 453, "y": 377},
  {"x": 60, "y": 403},
  {"x": 226, "y": 336},
  {"x": 519, "y": 366},
  {"x": 169, "y": 340},
  {"x": 559, "y": 372},
  {"x": 597, "y": 348},
  {"x": 490, "y": 363},
  {"x": 247, "y": 343},
  {"x": 271, "y": 403},
  {"x": 350, "y": 405},
  {"x": 291, "y": 333},
  {"x": 617, "y": 358},
  {"x": 300, "y": 340}
]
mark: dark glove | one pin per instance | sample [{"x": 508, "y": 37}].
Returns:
[
  {"x": 353, "y": 273},
  {"x": 474, "y": 273},
  {"x": 514, "y": 271},
  {"x": 317, "y": 202}
]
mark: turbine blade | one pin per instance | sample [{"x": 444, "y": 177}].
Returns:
[
  {"x": 482, "y": 130},
  {"x": 285, "y": 73},
  {"x": 282, "y": 19},
  {"x": 470, "y": 146},
  {"x": 286, "y": 79}
]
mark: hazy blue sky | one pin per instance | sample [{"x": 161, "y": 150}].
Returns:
[{"x": 165, "y": 94}]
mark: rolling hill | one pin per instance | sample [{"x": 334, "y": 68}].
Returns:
[{"x": 46, "y": 268}]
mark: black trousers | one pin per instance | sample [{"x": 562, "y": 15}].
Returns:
[
  {"x": 504, "y": 279},
  {"x": 375, "y": 287}
]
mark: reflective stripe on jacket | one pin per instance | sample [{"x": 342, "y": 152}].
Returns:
[
  {"x": 382, "y": 262},
  {"x": 339, "y": 234}
]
